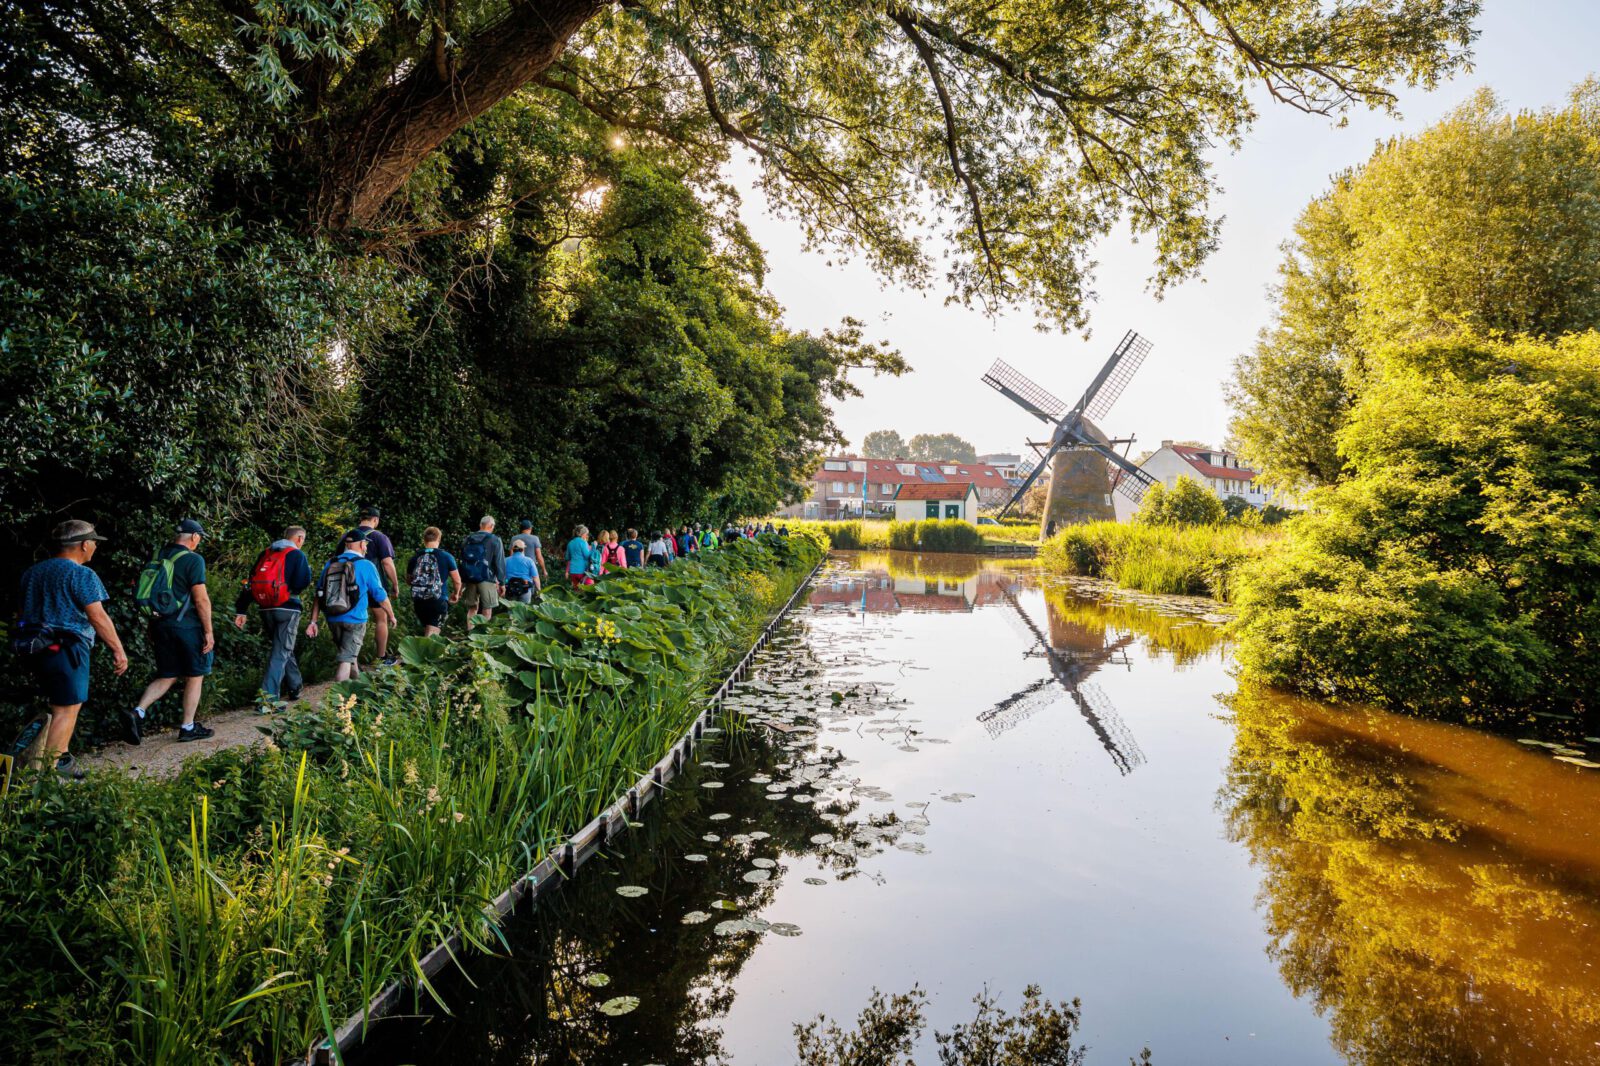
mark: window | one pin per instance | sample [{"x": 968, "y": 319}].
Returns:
[
  {"x": 932, "y": 509},
  {"x": 952, "y": 510},
  {"x": 947, "y": 469},
  {"x": 888, "y": 490},
  {"x": 838, "y": 486},
  {"x": 835, "y": 464},
  {"x": 963, "y": 471},
  {"x": 908, "y": 469},
  {"x": 858, "y": 466}
]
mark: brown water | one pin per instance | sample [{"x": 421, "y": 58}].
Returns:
[{"x": 996, "y": 778}]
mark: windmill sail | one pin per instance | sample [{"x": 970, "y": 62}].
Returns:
[
  {"x": 1115, "y": 375},
  {"x": 1024, "y": 391}
]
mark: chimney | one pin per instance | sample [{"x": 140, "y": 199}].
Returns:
[{"x": 1166, "y": 444}]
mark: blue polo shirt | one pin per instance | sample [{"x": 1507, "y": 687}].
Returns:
[
  {"x": 369, "y": 589},
  {"x": 519, "y": 565},
  {"x": 57, "y": 593}
]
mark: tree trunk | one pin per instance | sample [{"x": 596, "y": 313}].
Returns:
[{"x": 372, "y": 154}]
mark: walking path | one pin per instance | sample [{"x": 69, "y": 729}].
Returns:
[{"x": 161, "y": 755}]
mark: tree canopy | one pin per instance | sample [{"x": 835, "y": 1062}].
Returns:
[
  {"x": 937, "y": 447},
  {"x": 1018, "y": 133},
  {"x": 1487, "y": 223},
  {"x": 883, "y": 444}
]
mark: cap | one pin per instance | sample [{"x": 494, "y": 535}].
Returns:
[
  {"x": 354, "y": 535},
  {"x": 189, "y": 525},
  {"x": 370, "y": 512},
  {"x": 73, "y": 531},
  {"x": 524, "y": 523}
]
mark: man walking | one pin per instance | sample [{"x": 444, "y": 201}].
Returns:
[
  {"x": 380, "y": 553},
  {"x": 346, "y": 591},
  {"x": 63, "y": 608},
  {"x": 281, "y": 573},
  {"x": 522, "y": 577},
  {"x": 172, "y": 589},
  {"x": 483, "y": 569},
  {"x": 435, "y": 582},
  {"x": 633, "y": 550},
  {"x": 533, "y": 547}
]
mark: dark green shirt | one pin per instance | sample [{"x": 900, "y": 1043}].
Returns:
[{"x": 187, "y": 572}]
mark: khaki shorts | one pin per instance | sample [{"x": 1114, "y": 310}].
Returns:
[
  {"x": 480, "y": 596},
  {"x": 347, "y": 638}
]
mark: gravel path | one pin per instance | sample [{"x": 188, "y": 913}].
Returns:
[{"x": 161, "y": 754}]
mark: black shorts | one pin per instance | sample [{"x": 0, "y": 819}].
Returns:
[
  {"x": 64, "y": 674},
  {"x": 432, "y": 612},
  {"x": 178, "y": 651}
]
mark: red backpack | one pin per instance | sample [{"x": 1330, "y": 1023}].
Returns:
[{"x": 267, "y": 586}]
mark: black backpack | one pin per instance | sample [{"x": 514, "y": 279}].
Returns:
[{"x": 339, "y": 591}]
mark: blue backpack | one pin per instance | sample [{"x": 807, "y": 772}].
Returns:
[{"x": 475, "y": 557}]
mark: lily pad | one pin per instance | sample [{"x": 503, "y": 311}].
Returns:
[
  {"x": 631, "y": 891},
  {"x": 822, "y": 838},
  {"x": 694, "y": 858},
  {"x": 620, "y": 1005},
  {"x": 695, "y": 918},
  {"x": 1587, "y": 763},
  {"x": 785, "y": 929},
  {"x": 596, "y": 980},
  {"x": 721, "y": 816},
  {"x": 711, "y": 784},
  {"x": 711, "y": 838},
  {"x": 731, "y": 927},
  {"x": 816, "y": 881},
  {"x": 759, "y": 835},
  {"x": 755, "y": 877},
  {"x": 763, "y": 864},
  {"x": 724, "y": 905}
]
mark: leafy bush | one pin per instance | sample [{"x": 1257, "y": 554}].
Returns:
[
  {"x": 226, "y": 914},
  {"x": 1175, "y": 560},
  {"x": 935, "y": 535},
  {"x": 1459, "y": 564},
  {"x": 1187, "y": 503},
  {"x": 848, "y": 536}
]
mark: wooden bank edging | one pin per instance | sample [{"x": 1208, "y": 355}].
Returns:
[{"x": 562, "y": 863}]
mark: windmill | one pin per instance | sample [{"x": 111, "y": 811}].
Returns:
[
  {"x": 1069, "y": 670},
  {"x": 1084, "y": 464}
]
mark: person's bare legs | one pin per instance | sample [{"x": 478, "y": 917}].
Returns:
[
  {"x": 381, "y": 621},
  {"x": 191, "y": 698},
  {"x": 155, "y": 690},
  {"x": 59, "y": 736}
]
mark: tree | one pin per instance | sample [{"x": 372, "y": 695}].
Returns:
[
  {"x": 1019, "y": 133},
  {"x": 1187, "y": 503},
  {"x": 1486, "y": 223},
  {"x": 940, "y": 447},
  {"x": 884, "y": 444},
  {"x": 1457, "y": 565}
]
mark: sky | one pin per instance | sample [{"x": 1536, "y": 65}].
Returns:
[{"x": 1530, "y": 52}]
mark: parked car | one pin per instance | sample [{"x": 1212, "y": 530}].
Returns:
[{"x": 985, "y": 520}]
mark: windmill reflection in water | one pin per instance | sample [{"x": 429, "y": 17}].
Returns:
[{"x": 1073, "y": 653}]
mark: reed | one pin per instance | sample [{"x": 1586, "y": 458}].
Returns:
[{"x": 1173, "y": 560}]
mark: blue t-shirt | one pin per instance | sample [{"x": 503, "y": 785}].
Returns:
[
  {"x": 578, "y": 552},
  {"x": 369, "y": 589},
  {"x": 57, "y": 593},
  {"x": 519, "y": 565},
  {"x": 633, "y": 551}
]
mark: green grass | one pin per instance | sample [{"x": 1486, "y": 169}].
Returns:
[
  {"x": 1177, "y": 560},
  {"x": 238, "y": 911}
]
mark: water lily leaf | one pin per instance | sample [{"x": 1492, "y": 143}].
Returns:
[
  {"x": 711, "y": 838},
  {"x": 721, "y": 816},
  {"x": 695, "y": 918},
  {"x": 620, "y": 1005},
  {"x": 694, "y": 858},
  {"x": 731, "y": 927},
  {"x": 763, "y": 864},
  {"x": 816, "y": 881},
  {"x": 725, "y": 905},
  {"x": 632, "y": 891},
  {"x": 785, "y": 929},
  {"x": 755, "y": 877},
  {"x": 759, "y": 835},
  {"x": 1575, "y": 761},
  {"x": 822, "y": 838},
  {"x": 596, "y": 980},
  {"x": 711, "y": 784}
]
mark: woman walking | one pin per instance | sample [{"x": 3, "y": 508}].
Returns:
[{"x": 579, "y": 558}]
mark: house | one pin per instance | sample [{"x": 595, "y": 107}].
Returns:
[
  {"x": 1009, "y": 464},
  {"x": 915, "y": 502},
  {"x": 849, "y": 486},
  {"x": 1216, "y": 469}
]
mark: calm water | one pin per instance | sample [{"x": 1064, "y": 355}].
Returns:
[{"x": 969, "y": 777}]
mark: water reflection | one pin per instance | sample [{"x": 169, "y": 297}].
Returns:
[
  {"x": 1434, "y": 890},
  {"x": 892, "y": 582}
]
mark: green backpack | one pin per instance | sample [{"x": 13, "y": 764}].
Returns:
[{"x": 154, "y": 593}]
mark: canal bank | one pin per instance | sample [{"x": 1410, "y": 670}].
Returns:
[{"x": 965, "y": 775}]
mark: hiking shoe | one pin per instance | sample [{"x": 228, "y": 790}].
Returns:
[
  {"x": 290, "y": 697},
  {"x": 67, "y": 767},
  {"x": 132, "y": 725},
  {"x": 198, "y": 732},
  {"x": 390, "y": 660}
]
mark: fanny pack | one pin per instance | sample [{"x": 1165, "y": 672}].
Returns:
[
  {"x": 517, "y": 586},
  {"x": 40, "y": 639}
]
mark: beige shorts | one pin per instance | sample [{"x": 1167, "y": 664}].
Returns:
[
  {"x": 480, "y": 596},
  {"x": 347, "y": 638}
]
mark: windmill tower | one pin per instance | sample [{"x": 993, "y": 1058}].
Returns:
[{"x": 1085, "y": 467}]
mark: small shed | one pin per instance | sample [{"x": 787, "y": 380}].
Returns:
[{"x": 915, "y": 502}]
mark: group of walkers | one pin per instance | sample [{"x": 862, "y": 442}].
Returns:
[
  {"x": 62, "y": 611},
  {"x": 587, "y": 560}
]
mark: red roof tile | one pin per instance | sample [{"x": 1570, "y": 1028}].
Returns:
[
  {"x": 1191, "y": 456},
  {"x": 922, "y": 491}
]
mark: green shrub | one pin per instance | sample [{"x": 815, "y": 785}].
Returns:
[
  {"x": 222, "y": 915},
  {"x": 848, "y": 536},
  {"x": 1187, "y": 503},
  {"x": 1174, "y": 560},
  {"x": 935, "y": 535}
]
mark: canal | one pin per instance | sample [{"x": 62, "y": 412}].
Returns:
[{"x": 964, "y": 776}]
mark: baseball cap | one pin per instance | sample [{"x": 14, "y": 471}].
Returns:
[
  {"x": 370, "y": 512},
  {"x": 189, "y": 525},
  {"x": 354, "y": 535},
  {"x": 73, "y": 531}
]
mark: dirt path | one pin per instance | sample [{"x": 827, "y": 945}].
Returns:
[{"x": 161, "y": 754}]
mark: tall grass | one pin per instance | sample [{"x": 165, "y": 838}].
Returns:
[
  {"x": 849, "y": 536},
  {"x": 237, "y": 912},
  {"x": 935, "y": 535},
  {"x": 1175, "y": 560}
]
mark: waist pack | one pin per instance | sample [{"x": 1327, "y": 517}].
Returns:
[
  {"x": 518, "y": 586},
  {"x": 30, "y": 640}
]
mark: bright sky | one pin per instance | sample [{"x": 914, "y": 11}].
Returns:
[{"x": 1530, "y": 52}]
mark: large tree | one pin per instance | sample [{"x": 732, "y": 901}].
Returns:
[
  {"x": 883, "y": 444},
  {"x": 941, "y": 447},
  {"x": 1487, "y": 223},
  {"x": 1018, "y": 132}
]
